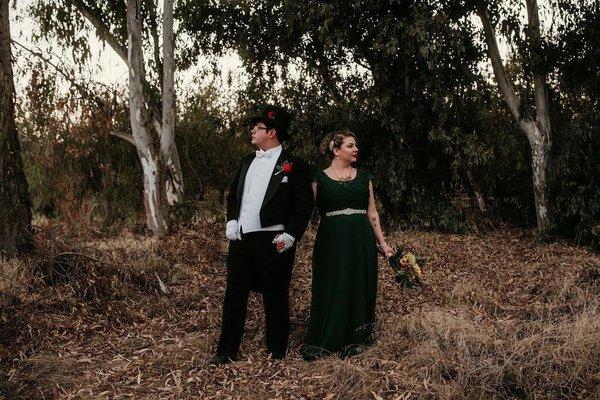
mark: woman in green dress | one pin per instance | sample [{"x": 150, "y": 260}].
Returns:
[{"x": 344, "y": 263}]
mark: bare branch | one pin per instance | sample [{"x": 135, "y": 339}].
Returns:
[
  {"x": 85, "y": 92},
  {"x": 105, "y": 34},
  {"x": 168, "y": 78},
  {"x": 155, "y": 39},
  {"x": 123, "y": 136},
  {"x": 539, "y": 80},
  {"x": 103, "y": 31},
  {"x": 504, "y": 82}
]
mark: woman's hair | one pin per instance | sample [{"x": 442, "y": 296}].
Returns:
[{"x": 334, "y": 140}]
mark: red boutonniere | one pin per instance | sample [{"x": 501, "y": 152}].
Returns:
[
  {"x": 286, "y": 168},
  {"x": 271, "y": 114}
]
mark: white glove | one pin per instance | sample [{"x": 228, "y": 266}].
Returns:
[
  {"x": 286, "y": 240},
  {"x": 232, "y": 232}
]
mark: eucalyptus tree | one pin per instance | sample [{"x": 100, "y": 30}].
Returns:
[
  {"x": 535, "y": 124},
  {"x": 15, "y": 218},
  {"x": 130, "y": 27},
  {"x": 422, "y": 61},
  {"x": 399, "y": 72}
]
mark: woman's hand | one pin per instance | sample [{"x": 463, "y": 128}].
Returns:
[{"x": 386, "y": 250}]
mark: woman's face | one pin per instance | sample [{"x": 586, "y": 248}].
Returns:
[{"x": 348, "y": 151}]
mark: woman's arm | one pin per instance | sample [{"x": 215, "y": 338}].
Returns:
[
  {"x": 314, "y": 188},
  {"x": 374, "y": 219}
]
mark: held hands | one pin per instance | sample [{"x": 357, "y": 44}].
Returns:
[
  {"x": 232, "y": 232},
  {"x": 283, "y": 242}
]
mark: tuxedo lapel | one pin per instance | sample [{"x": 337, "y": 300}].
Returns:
[
  {"x": 275, "y": 180},
  {"x": 242, "y": 180}
]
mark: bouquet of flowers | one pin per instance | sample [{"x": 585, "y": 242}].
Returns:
[{"x": 407, "y": 268}]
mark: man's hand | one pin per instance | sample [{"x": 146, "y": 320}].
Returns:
[
  {"x": 232, "y": 232},
  {"x": 283, "y": 242}
]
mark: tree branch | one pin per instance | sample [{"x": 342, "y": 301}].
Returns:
[
  {"x": 69, "y": 77},
  {"x": 167, "y": 138},
  {"x": 103, "y": 31},
  {"x": 100, "y": 102},
  {"x": 105, "y": 34},
  {"x": 155, "y": 39},
  {"x": 539, "y": 80},
  {"x": 504, "y": 82},
  {"x": 123, "y": 136}
]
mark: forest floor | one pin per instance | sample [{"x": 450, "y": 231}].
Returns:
[{"x": 501, "y": 316}]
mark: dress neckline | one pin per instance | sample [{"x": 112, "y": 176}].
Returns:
[{"x": 338, "y": 181}]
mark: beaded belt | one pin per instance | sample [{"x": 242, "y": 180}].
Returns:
[{"x": 345, "y": 211}]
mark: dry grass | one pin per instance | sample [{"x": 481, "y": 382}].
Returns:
[{"x": 502, "y": 317}]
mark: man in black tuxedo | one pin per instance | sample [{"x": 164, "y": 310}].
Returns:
[{"x": 268, "y": 208}]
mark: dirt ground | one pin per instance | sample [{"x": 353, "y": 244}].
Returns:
[{"x": 124, "y": 316}]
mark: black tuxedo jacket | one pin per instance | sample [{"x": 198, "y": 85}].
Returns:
[{"x": 289, "y": 203}]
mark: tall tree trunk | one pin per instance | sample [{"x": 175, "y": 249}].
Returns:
[
  {"x": 540, "y": 137},
  {"x": 15, "y": 206},
  {"x": 170, "y": 157},
  {"x": 537, "y": 129},
  {"x": 174, "y": 176},
  {"x": 540, "y": 153},
  {"x": 152, "y": 166}
]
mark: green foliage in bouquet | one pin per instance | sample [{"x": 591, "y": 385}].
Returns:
[{"x": 407, "y": 268}]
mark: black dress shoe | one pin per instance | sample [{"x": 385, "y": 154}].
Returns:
[{"x": 219, "y": 360}]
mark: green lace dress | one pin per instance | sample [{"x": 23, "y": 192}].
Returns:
[{"x": 344, "y": 269}]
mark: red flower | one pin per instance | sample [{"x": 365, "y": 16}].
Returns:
[
  {"x": 271, "y": 114},
  {"x": 286, "y": 167}
]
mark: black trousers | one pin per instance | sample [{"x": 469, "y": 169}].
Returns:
[{"x": 253, "y": 262}]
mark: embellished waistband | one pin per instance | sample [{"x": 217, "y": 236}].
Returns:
[{"x": 345, "y": 211}]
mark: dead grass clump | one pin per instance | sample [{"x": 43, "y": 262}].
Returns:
[
  {"x": 46, "y": 373},
  {"x": 16, "y": 282},
  {"x": 460, "y": 358},
  {"x": 475, "y": 295},
  {"x": 349, "y": 379},
  {"x": 96, "y": 281},
  {"x": 11, "y": 322},
  {"x": 589, "y": 277},
  {"x": 558, "y": 359},
  {"x": 557, "y": 299},
  {"x": 454, "y": 355}
]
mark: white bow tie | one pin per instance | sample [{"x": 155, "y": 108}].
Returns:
[{"x": 262, "y": 153}]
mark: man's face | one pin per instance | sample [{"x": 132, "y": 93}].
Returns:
[{"x": 260, "y": 134}]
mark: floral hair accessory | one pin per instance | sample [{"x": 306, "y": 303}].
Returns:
[{"x": 331, "y": 145}]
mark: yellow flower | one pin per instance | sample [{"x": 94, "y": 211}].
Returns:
[{"x": 417, "y": 269}]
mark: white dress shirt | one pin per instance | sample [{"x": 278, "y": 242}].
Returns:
[{"x": 255, "y": 187}]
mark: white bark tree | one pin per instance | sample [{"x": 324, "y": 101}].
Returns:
[
  {"x": 163, "y": 179},
  {"x": 152, "y": 165},
  {"x": 536, "y": 128},
  {"x": 169, "y": 154}
]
